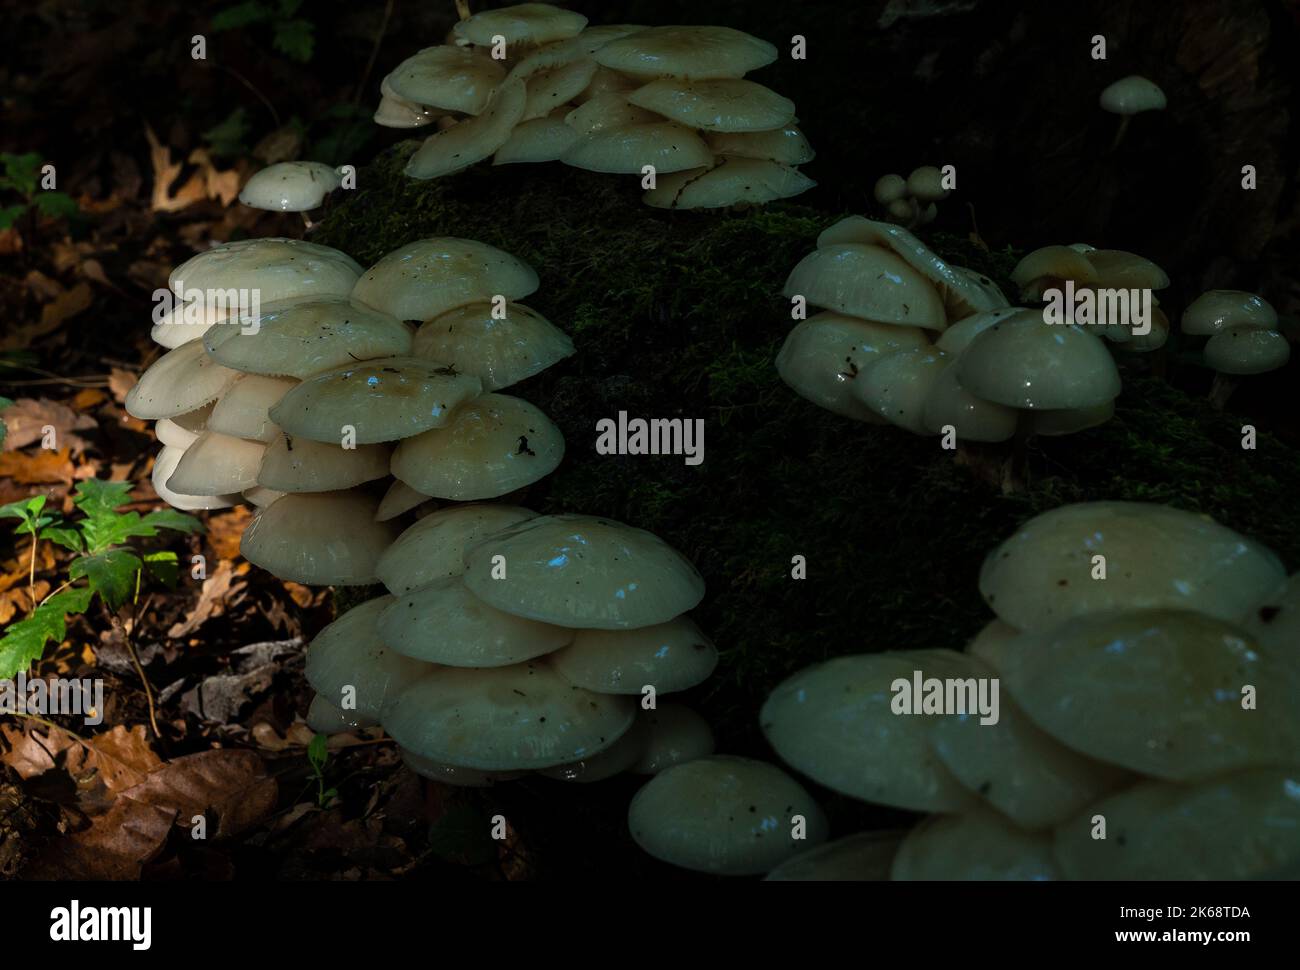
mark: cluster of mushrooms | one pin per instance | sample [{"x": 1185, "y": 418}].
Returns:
[
  {"x": 912, "y": 201},
  {"x": 908, "y": 339},
  {"x": 1243, "y": 333},
  {"x": 1148, "y": 719},
  {"x": 670, "y": 105},
  {"x": 511, "y": 643}
]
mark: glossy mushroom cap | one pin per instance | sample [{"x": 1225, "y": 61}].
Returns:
[
  {"x": 290, "y": 186},
  {"x": 868, "y": 282},
  {"x": 499, "y": 349},
  {"x": 699, "y": 53},
  {"x": 447, "y": 77},
  {"x": 1218, "y": 310},
  {"x": 721, "y": 104},
  {"x": 276, "y": 268},
  {"x": 1132, "y": 95},
  {"x": 530, "y": 23},
  {"x": 434, "y": 547},
  {"x": 324, "y": 539},
  {"x": 731, "y": 181},
  {"x": 668, "y": 656},
  {"x": 180, "y": 381}
]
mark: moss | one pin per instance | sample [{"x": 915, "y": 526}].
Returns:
[{"x": 681, "y": 314}]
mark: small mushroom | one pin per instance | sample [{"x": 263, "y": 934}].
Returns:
[
  {"x": 868, "y": 282},
  {"x": 241, "y": 411},
  {"x": 468, "y": 142},
  {"x": 163, "y": 466},
  {"x": 180, "y": 381},
  {"x": 897, "y": 386},
  {"x": 290, "y": 186},
  {"x": 448, "y": 78},
  {"x": 720, "y": 104},
  {"x": 523, "y": 23},
  {"x": 1129, "y": 96}
]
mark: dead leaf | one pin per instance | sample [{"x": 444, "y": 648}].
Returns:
[
  {"x": 124, "y": 758},
  {"x": 42, "y": 467},
  {"x": 27, "y": 418},
  {"x": 233, "y": 784},
  {"x": 217, "y": 589},
  {"x": 115, "y": 847},
  {"x": 65, "y": 306},
  {"x": 225, "y": 530},
  {"x": 31, "y": 754},
  {"x": 165, "y": 172},
  {"x": 120, "y": 383}
]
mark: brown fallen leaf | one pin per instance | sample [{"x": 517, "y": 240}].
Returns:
[
  {"x": 38, "y": 468},
  {"x": 123, "y": 757},
  {"x": 230, "y": 783},
  {"x": 217, "y": 590},
  {"x": 120, "y": 383},
  {"x": 27, "y": 418},
  {"x": 225, "y": 530},
  {"x": 115, "y": 847},
  {"x": 165, "y": 172},
  {"x": 30, "y": 753},
  {"x": 65, "y": 306}
]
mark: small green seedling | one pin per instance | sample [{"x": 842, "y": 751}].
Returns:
[
  {"x": 21, "y": 174},
  {"x": 317, "y": 756}
]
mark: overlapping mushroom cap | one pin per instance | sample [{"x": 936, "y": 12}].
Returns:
[{"x": 274, "y": 268}]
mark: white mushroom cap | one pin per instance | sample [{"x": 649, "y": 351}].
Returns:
[
  {"x": 530, "y": 23},
  {"x": 1244, "y": 826},
  {"x": 979, "y": 845},
  {"x": 444, "y": 623},
  {"x": 958, "y": 336},
  {"x": 1019, "y": 770},
  {"x": 868, "y": 282},
  {"x": 499, "y": 351},
  {"x": 1053, "y": 423},
  {"x": 668, "y": 656},
  {"x": 505, "y": 718},
  {"x": 163, "y": 466},
  {"x": 324, "y": 539},
  {"x": 490, "y": 446},
  {"x": 301, "y": 465},
  {"x": 1156, "y": 556},
  {"x": 217, "y": 464},
  {"x": 260, "y": 496},
  {"x": 1026, "y": 362},
  {"x": 626, "y": 149},
  {"x": 275, "y": 268},
  {"x": 725, "y": 815},
  {"x": 470, "y": 141},
  {"x": 1246, "y": 350},
  {"x": 864, "y": 857},
  {"x": 395, "y": 112},
  {"x": 181, "y": 380},
  {"x": 584, "y": 572},
  {"x": 431, "y": 276},
  {"x": 925, "y": 184},
  {"x": 382, "y": 400},
  {"x": 1054, "y": 262},
  {"x": 833, "y": 722},
  {"x": 720, "y": 104},
  {"x": 448, "y": 77},
  {"x": 610, "y": 110},
  {"x": 455, "y": 775},
  {"x": 732, "y": 181},
  {"x": 786, "y": 145},
  {"x": 539, "y": 140},
  {"x": 1218, "y": 310},
  {"x": 300, "y": 337},
  {"x": 693, "y": 52},
  {"x": 992, "y": 642},
  {"x": 614, "y": 760},
  {"x": 434, "y": 547},
  {"x": 897, "y": 386},
  {"x": 1124, "y": 270},
  {"x": 555, "y": 88},
  {"x": 823, "y": 356},
  {"x": 974, "y": 419},
  {"x": 186, "y": 321},
  {"x": 241, "y": 412},
  {"x": 1131, "y": 95},
  {"x": 326, "y": 718},
  {"x": 903, "y": 211},
  {"x": 347, "y": 660},
  {"x": 399, "y": 499},
  {"x": 577, "y": 48},
  {"x": 182, "y": 430},
  {"x": 605, "y": 81},
  {"x": 1275, "y": 623},
  {"x": 290, "y": 186},
  {"x": 890, "y": 188},
  {"x": 674, "y": 734},
  {"x": 1158, "y": 692}
]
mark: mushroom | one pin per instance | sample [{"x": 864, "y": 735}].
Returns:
[
  {"x": 448, "y": 78},
  {"x": 180, "y": 381},
  {"x": 897, "y": 386},
  {"x": 1275, "y": 623},
  {"x": 786, "y": 145},
  {"x": 524, "y": 23},
  {"x": 467, "y": 142},
  {"x": 720, "y": 104},
  {"x": 1129, "y": 96},
  {"x": 325, "y": 539},
  {"x": 241, "y": 411},
  {"x": 610, "y": 110},
  {"x": 434, "y": 548},
  {"x": 326, "y": 718},
  {"x": 979, "y": 845},
  {"x": 184, "y": 429},
  {"x": 294, "y": 464},
  {"x": 290, "y": 187},
  {"x": 164, "y": 465},
  {"x": 539, "y": 140},
  {"x": 274, "y": 268},
  {"x": 455, "y": 775},
  {"x": 890, "y": 188},
  {"x": 864, "y": 857},
  {"x": 698, "y": 53},
  {"x": 674, "y": 734},
  {"x": 948, "y": 404},
  {"x": 186, "y": 321},
  {"x": 668, "y": 656},
  {"x": 925, "y": 184},
  {"x": 627, "y": 149},
  {"x": 217, "y": 464},
  {"x": 725, "y": 815},
  {"x": 398, "y": 500},
  {"x": 732, "y": 181},
  {"x": 499, "y": 349},
  {"x": 556, "y": 87},
  {"x": 868, "y": 282},
  {"x": 1244, "y": 339},
  {"x": 616, "y": 759}
]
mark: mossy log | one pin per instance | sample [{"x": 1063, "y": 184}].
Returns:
[{"x": 681, "y": 314}]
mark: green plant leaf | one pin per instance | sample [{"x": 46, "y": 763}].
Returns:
[
  {"x": 317, "y": 752},
  {"x": 296, "y": 39},
  {"x": 57, "y": 205},
  {"x": 164, "y": 566},
  {"x": 95, "y": 497},
  {"x": 228, "y": 138},
  {"x": 240, "y": 15},
  {"x": 174, "y": 520},
  {"x": 21, "y": 172},
  {"x": 24, "y": 641},
  {"x": 10, "y": 214},
  {"x": 63, "y": 535},
  {"x": 111, "y": 574}
]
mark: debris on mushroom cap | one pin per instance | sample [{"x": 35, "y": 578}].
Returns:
[
  {"x": 699, "y": 53},
  {"x": 607, "y": 111},
  {"x": 1275, "y": 623},
  {"x": 300, "y": 337},
  {"x": 977, "y": 845},
  {"x": 296, "y": 464},
  {"x": 500, "y": 347},
  {"x": 348, "y": 661},
  {"x": 1156, "y": 691},
  {"x": 1242, "y": 826},
  {"x": 786, "y": 145},
  {"x": 720, "y": 104},
  {"x": 617, "y": 758},
  {"x": 181, "y": 380},
  {"x": 539, "y": 140},
  {"x": 505, "y": 718},
  {"x": 531, "y": 23},
  {"x": 241, "y": 411},
  {"x": 379, "y": 400},
  {"x": 725, "y": 815},
  {"x": 868, "y": 282},
  {"x": 444, "y": 623},
  {"x": 948, "y": 404},
  {"x": 186, "y": 321},
  {"x": 833, "y": 722},
  {"x": 1247, "y": 350},
  {"x": 489, "y": 446},
  {"x": 626, "y": 149},
  {"x": 896, "y": 386},
  {"x": 1069, "y": 421},
  {"x": 1018, "y": 769},
  {"x": 474, "y": 139},
  {"x": 1155, "y": 557},
  {"x": 323, "y": 717},
  {"x": 926, "y": 184},
  {"x": 325, "y": 539},
  {"x": 583, "y": 572},
  {"x": 823, "y": 356},
  {"x": 674, "y": 734},
  {"x": 447, "y": 77},
  {"x": 164, "y": 464},
  {"x": 1131, "y": 95},
  {"x": 290, "y": 186},
  {"x": 1218, "y": 310},
  {"x": 398, "y": 500},
  {"x": 864, "y": 857},
  {"x": 276, "y": 268},
  {"x": 668, "y": 656},
  {"x": 1057, "y": 263},
  {"x": 1026, "y": 362},
  {"x": 454, "y": 775},
  {"x": 731, "y": 181},
  {"x": 434, "y": 547},
  {"x": 431, "y": 276},
  {"x": 217, "y": 464}
]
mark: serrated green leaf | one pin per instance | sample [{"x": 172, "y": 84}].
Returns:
[
  {"x": 24, "y": 642},
  {"x": 105, "y": 531},
  {"x": 164, "y": 565},
  {"x": 296, "y": 39},
  {"x": 57, "y": 205},
  {"x": 22, "y": 172},
  {"x": 95, "y": 497},
  {"x": 10, "y": 214},
  {"x": 63, "y": 535},
  {"x": 174, "y": 520},
  {"x": 240, "y": 15},
  {"x": 111, "y": 574}
]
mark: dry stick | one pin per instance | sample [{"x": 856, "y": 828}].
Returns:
[
  {"x": 135, "y": 660},
  {"x": 260, "y": 96},
  {"x": 374, "y": 52}
]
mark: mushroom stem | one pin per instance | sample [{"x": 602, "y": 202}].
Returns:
[
  {"x": 1221, "y": 389},
  {"x": 306, "y": 221},
  {"x": 1119, "y": 134},
  {"x": 1000, "y": 466},
  {"x": 975, "y": 238},
  {"x": 462, "y": 9}
]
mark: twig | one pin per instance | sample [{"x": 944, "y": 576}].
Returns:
[
  {"x": 54, "y": 593},
  {"x": 31, "y": 576},
  {"x": 374, "y": 52},
  {"x": 275, "y": 115},
  {"x": 139, "y": 668}
]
